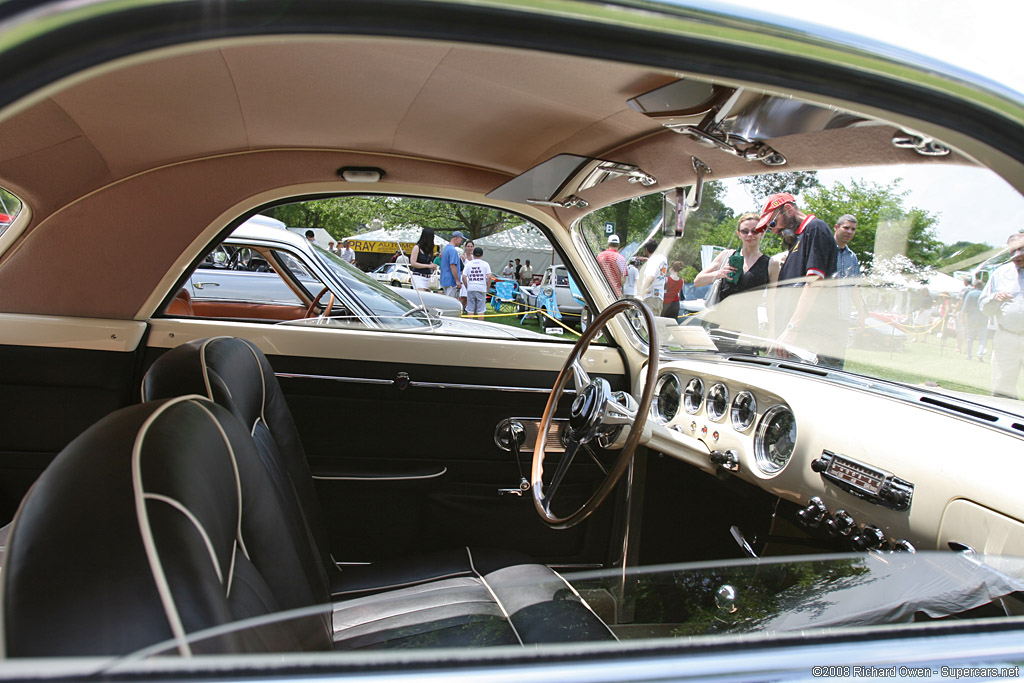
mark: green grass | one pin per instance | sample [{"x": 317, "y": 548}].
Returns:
[{"x": 922, "y": 363}]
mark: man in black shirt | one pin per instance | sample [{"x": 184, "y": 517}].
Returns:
[{"x": 807, "y": 318}]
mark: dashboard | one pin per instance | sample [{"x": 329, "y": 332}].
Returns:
[{"x": 884, "y": 469}]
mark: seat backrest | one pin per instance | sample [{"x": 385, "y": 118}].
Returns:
[
  {"x": 234, "y": 373},
  {"x": 155, "y": 523},
  {"x": 181, "y": 304}
]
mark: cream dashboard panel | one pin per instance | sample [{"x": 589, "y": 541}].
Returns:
[
  {"x": 373, "y": 345},
  {"x": 944, "y": 457}
]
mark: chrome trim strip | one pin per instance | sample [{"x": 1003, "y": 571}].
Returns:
[
  {"x": 424, "y": 385},
  {"x": 397, "y": 477}
]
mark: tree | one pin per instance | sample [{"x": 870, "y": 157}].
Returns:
[
  {"x": 884, "y": 226},
  {"x": 760, "y": 187}
]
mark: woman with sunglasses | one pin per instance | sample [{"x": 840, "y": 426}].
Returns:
[{"x": 755, "y": 264}]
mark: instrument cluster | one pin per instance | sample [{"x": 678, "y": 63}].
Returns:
[{"x": 725, "y": 415}]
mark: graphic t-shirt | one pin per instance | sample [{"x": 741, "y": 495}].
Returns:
[{"x": 476, "y": 274}]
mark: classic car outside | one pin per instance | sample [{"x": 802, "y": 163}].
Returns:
[
  {"x": 554, "y": 282},
  {"x": 360, "y": 488},
  {"x": 266, "y": 271},
  {"x": 392, "y": 274}
]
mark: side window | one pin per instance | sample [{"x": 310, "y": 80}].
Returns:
[
  {"x": 10, "y": 207},
  {"x": 395, "y": 256}
]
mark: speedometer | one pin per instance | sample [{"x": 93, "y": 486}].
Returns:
[
  {"x": 775, "y": 440},
  {"x": 718, "y": 402},
  {"x": 744, "y": 410},
  {"x": 666, "y": 398},
  {"x": 693, "y": 396}
]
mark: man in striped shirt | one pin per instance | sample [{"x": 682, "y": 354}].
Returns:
[{"x": 613, "y": 265}]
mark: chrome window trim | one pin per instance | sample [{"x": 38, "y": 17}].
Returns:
[{"x": 423, "y": 385}]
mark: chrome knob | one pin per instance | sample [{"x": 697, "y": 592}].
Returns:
[
  {"x": 813, "y": 513},
  {"x": 841, "y": 523}
]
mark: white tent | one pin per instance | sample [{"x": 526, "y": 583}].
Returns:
[
  {"x": 940, "y": 282},
  {"x": 521, "y": 242}
]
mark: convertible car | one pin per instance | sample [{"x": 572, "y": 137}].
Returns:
[{"x": 246, "y": 493}]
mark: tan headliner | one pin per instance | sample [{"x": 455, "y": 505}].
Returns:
[{"x": 124, "y": 169}]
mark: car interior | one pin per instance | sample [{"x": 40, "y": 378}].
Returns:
[{"x": 187, "y": 468}]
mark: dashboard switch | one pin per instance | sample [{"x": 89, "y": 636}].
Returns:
[
  {"x": 868, "y": 538},
  {"x": 728, "y": 460},
  {"x": 841, "y": 523},
  {"x": 813, "y": 513}
]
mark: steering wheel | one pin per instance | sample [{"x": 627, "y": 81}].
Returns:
[
  {"x": 316, "y": 301},
  {"x": 596, "y": 412}
]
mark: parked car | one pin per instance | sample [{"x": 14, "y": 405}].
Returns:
[
  {"x": 238, "y": 272},
  {"x": 555, "y": 278},
  {"x": 392, "y": 274},
  {"x": 350, "y": 486}
]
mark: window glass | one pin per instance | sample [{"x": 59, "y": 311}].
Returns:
[
  {"x": 909, "y": 295},
  {"x": 10, "y": 207},
  {"x": 366, "y": 243}
]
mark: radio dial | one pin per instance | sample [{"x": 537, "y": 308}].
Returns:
[
  {"x": 841, "y": 523},
  {"x": 869, "y": 537}
]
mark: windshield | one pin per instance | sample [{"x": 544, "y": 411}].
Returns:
[{"x": 872, "y": 271}]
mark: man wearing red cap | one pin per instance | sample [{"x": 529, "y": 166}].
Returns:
[{"x": 812, "y": 258}]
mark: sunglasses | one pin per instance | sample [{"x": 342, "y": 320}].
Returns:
[{"x": 747, "y": 232}]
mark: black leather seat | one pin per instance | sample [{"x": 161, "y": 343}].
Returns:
[{"x": 162, "y": 520}]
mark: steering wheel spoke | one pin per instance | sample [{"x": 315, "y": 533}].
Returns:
[
  {"x": 580, "y": 377},
  {"x": 596, "y": 411}
]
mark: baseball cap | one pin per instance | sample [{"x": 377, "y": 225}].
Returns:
[
  {"x": 772, "y": 203},
  {"x": 613, "y": 239},
  {"x": 459, "y": 233}
]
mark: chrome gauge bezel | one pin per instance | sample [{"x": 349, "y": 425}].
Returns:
[
  {"x": 688, "y": 405},
  {"x": 710, "y": 402},
  {"x": 657, "y": 410},
  {"x": 761, "y": 457},
  {"x": 738, "y": 423}
]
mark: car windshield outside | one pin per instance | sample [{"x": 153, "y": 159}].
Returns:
[{"x": 898, "y": 305}]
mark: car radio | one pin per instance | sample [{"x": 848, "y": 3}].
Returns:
[{"x": 866, "y": 482}]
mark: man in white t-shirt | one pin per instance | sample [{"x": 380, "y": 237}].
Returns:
[
  {"x": 629, "y": 286},
  {"x": 652, "y": 288},
  {"x": 476, "y": 277}
]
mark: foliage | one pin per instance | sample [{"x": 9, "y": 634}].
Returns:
[
  {"x": 344, "y": 216},
  {"x": 9, "y": 204},
  {"x": 885, "y": 227},
  {"x": 760, "y": 187},
  {"x": 962, "y": 255}
]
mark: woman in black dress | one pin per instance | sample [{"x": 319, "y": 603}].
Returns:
[
  {"x": 755, "y": 264},
  {"x": 421, "y": 260}
]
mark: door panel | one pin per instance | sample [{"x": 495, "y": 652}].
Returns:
[{"x": 404, "y": 451}]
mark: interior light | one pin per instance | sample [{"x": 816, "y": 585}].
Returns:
[{"x": 355, "y": 174}]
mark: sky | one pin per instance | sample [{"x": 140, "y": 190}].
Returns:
[{"x": 982, "y": 37}]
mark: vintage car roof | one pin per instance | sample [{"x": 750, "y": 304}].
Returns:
[{"x": 155, "y": 152}]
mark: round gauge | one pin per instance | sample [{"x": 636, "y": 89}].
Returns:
[
  {"x": 744, "y": 410},
  {"x": 775, "y": 439},
  {"x": 718, "y": 402},
  {"x": 666, "y": 398},
  {"x": 693, "y": 396}
]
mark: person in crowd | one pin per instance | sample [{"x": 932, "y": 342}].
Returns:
[
  {"x": 509, "y": 271},
  {"x": 960, "y": 317},
  {"x": 311, "y": 236},
  {"x": 347, "y": 252},
  {"x": 629, "y": 284},
  {"x": 402, "y": 256},
  {"x": 526, "y": 273},
  {"x": 807, "y": 319},
  {"x": 652, "y": 287},
  {"x": 421, "y": 264},
  {"x": 477, "y": 280},
  {"x": 613, "y": 265},
  {"x": 451, "y": 265},
  {"x": 848, "y": 267},
  {"x": 673, "y": 288},
  {"x": 467, "y": 256},
  {"x": 975, "y": 321},
  {"x": 519, "y": 268},
  {"x": 755, "y": 263},
  {"x": 1003, "y": 298},
  {"x": 330, "y": 247}
]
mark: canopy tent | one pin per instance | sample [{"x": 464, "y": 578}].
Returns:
[
  {"x": 938, "y": 283},
  {"x": 387, "y": 240},
  {"x": 521, "y": 242}
]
